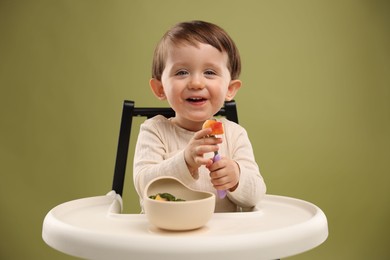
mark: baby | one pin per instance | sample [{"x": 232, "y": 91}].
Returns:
[{"x": 196, "y": 66}]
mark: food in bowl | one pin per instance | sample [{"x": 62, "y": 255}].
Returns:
[{"x": 165, "y": 197}]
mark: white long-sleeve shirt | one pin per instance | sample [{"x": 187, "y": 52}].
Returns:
[{"x": 160, "y": 152}]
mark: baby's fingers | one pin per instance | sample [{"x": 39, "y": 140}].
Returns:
[
  {"x": 202, "y": 133},
  {"x": 206, "y": 148},
  {"x": 203, "y": 161}
]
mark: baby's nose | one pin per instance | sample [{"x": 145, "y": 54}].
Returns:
[{"x": 196, "y": 82}]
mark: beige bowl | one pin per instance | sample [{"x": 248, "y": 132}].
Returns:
[{"x": 192, "y": 213}]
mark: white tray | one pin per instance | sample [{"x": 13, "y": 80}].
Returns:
[{"x": 93, "y": 228}]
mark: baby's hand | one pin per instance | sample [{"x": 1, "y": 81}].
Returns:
[
  {"x": 200, "y": 144},
  {"x": 225, "y": 174}
]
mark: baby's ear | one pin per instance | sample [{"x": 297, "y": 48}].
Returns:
[
  {"x": 157, "y": 88},
  {"x": 234, "y": 86}
]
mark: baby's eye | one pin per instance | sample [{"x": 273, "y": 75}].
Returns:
[
  {"x": 210, "y": 72},
  {"x": 181, "y": 73}
]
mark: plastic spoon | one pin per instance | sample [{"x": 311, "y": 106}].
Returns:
[{"x": 217, "y": 128}]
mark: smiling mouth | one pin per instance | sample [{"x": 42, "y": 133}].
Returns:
[{"x": 196, "y": 100}]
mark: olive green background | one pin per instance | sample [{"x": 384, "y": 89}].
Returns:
[{"x": 315, "y": 101}]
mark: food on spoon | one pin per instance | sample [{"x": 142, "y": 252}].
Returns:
[
  {"x": 216, "y": 126},
  {"x": 164, "y": 197}
]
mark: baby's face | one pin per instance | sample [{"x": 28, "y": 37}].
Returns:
[{"x": 196, "y": 82}]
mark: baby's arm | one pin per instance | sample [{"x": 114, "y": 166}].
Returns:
[
  {"x": 152, "y": 158},
  {"x": 251, "y": 187}
]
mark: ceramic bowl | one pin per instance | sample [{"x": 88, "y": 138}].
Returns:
[{"x": 192, "y": 213}]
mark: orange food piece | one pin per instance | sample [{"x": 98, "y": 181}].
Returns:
[{"x": 216, "y": 126}]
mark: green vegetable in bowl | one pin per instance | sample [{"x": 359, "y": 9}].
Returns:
[{"x": 165, "y": 197}]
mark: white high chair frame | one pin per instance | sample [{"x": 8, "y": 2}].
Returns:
[{"x": 94, "y": 228}]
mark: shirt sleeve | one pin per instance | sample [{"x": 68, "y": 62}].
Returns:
[
  {"x": 152, "y": 160},
  {"x": 251, "y": 188}
]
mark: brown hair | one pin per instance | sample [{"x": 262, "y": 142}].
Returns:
[{"x": 192, "y": 33}]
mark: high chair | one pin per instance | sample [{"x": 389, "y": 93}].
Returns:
[{"x": 95, "y": 228}]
